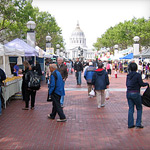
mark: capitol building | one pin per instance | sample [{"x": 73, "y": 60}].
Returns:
[{"x": 77, "y": 46}]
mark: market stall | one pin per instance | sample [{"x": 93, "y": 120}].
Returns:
[
  {"x": 22, "y": 46},
  {"x": 11, "y": 87},
  {"x": 12, "y": 84}
]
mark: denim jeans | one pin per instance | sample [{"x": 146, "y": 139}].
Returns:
[
  {"x": 0, "y": 102},
  {"x": 78, "y": 77},
  {"x": 134, "y": 99},
  {"x": 62, "y": 97}
]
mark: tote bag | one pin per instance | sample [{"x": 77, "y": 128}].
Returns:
[{"x": 146, "y": 97}]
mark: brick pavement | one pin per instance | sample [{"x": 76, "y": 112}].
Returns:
[{"x": 86, "y": 128}]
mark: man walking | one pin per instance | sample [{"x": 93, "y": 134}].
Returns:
[
  {"x": 78, "y": 68},
  {"x": 56, "y": 90},
  {"x": 88, "y": 75},
  {"x": 100, "y": 81},
  {"x": 2, "y": 77},
  {"x": 62, "y": 68}
]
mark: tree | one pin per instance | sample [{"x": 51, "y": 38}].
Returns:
[
  {"x": 14, "y": 14},
  {"x": 123, "y": 34},
  {"x": 47, "y": 24}
]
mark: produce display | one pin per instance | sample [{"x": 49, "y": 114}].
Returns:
[{"x": 11, "y": 80}]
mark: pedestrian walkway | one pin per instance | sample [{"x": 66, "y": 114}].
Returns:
[{"x": 87, "y": 128}]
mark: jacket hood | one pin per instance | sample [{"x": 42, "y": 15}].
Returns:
[
  {"x": 131, "y": 74},
  {"x": 99, "y": 71}
]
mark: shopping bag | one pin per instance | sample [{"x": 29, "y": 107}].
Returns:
[
  {"x": 92, "y": 93},
  {"x": 107, "y": 94},
  {"x": 146, "y": 97}
]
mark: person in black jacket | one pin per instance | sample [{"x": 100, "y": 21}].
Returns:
[
  {"x": 134, "y": 82},
  {"x": 2, "y": 77},
  {"x": 27, "y": 91},
  {"x": 78, "y": 69},
  {"x": 100, "y": 81}
]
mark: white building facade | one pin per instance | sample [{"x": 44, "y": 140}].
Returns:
[{"x": 77, "y": 46}]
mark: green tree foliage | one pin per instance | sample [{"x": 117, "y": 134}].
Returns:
[
  {"x": 123, "y": 34},
  {"x": 46, "y": 24},
  {"x": 14, "y": 14}
]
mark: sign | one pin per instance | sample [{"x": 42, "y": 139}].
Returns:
[{"x": 50, "y": 51}]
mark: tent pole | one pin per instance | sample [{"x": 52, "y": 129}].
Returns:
[
  {"x": 34, "y": 60},
  {"x": 4, "y": 65}
]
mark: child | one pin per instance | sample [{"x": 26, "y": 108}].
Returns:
[{"x": 115, "y": 73}]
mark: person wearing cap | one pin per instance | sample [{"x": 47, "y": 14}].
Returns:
[{"x": 88, "y": 75}]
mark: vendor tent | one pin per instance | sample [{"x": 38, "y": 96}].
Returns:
[
  {"x": 1, "y": 50},
  {"x": 129, "y": 56},
  {"x": 21, "y": 45},
  {"x": 4, "y": 61},
  {"x": 9, "y": 51},
  {"x": 144, "y": 54},
  {"x": 5, "y": 52},
  {"x": 40, "y": 51}
]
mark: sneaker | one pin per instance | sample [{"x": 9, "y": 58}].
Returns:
[
  {"x": 32, "y": 108},
  {"x": 99, "y": 106},
  {"x": 61, "y": 120},
  {"x": 140, "y": 127},
  {"x": 62, "y": 106},
  {"x": 103, "y": 105},
  {"x": 50, "y": 117},
  {"x": 131, "y": 127}
]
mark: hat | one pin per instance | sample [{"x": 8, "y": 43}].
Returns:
[{"x": 90, "y": 63}]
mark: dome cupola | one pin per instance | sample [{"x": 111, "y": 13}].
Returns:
[{"x": 78, "y": 37}]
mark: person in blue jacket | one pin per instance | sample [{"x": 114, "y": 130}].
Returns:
[
  {"x": 56, "y": 90},
  {"x": 100, "y": 81},
  {"x": 134, "y": 82},
  {"x": 88, "y": 75}
]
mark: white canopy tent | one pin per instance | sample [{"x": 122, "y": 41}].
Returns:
[
  {"x": 5, "y": 52},
  {"x": 144, "y": 54},
  {"x": 40, "y": 51}
]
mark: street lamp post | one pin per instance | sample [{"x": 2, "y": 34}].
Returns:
[
  {"x": 61, "y": 51},
  {"x": 136, "y": 47},
  {"x": 48, "y": 43},
  {"x": 31, "y": 35},
  {"x": 116, "y": 50},
  {"x": 58, "y": 46}
]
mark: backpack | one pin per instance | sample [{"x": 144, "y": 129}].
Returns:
[{"x": 34, "y": 81}]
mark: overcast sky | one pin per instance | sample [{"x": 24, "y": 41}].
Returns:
[{"x": 94, "y": 16}]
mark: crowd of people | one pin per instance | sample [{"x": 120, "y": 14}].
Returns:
[{"x": 97, "y": 75}]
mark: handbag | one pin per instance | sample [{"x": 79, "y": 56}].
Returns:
[
  {"x": 107, "y": 94},
  {"x": 92, "y": 93},
  {"x": 146, "y": 97}
]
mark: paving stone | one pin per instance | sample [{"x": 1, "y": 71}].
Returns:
[{"x": 86, "y": 128}]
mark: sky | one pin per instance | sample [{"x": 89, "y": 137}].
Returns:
[{"x": 94, "y": 16}]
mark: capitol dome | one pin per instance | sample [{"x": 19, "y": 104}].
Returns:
[{"x": 78, "y": 38}]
